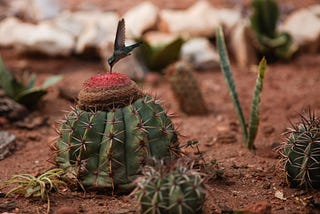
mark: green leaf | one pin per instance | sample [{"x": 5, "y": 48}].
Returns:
[
  {"x": 265, "y": 17},
  {"x": 254, "y": 113},
  {"x": 31, "y": 97},
  {"x": 8, "y": 81},
  {"x": 271, "y": 44},
  {"x": 287, "y": 49},
  {"x": 31, "y": 82},
  {"x": 51, "y": 81},
  {"x": 226, "y": 70},
  {"x": 158, "y": 57}
]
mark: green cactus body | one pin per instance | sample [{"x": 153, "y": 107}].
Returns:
[
  {"x": 302, "y": 153},
  {"x": 271, "y": 44},
  {"x": 104, "y": 145},
  {"x": 186, "y": 89},
  {"x": 180, "y": 191}
]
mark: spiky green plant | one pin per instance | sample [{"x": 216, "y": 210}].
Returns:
[
  {"x": 112, "y": 133},
  {"x": 177, "y": 191},
  {"x": 158, "y": 56},
  {"x": 186, "y": 89},
  {"x": 24, "y": 91},
  {"x": 249, "y": 132},
  {"x": 36, "y": 187},
  {"x": 271, "y": 43},
  {"x": 301, "y": 152}
]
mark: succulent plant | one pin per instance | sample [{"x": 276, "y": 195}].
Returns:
[
  {"x": 31, "y": 186},
  {"x": 112, "y": 132},
  {"x": 249, "y": 131},
  {"x": 178, "y": 191},
  {"x": 301, "y": 152},
  {"x": 270, "y": 43},
  {"x": 186, "y": 89},
  {"x": 24, "y": 91},
  {"x": 157, "y": 55}
]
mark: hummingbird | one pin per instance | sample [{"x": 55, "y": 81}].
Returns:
[{"x": 120, "y": 49}]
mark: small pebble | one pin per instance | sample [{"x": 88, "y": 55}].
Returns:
[{"x": 66, "y": 210}]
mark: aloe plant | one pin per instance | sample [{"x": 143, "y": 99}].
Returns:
[
  {"x": 158, "y": 57},
  {"x": 249, "y": 132},
  {"x": 271, "y": 43},
  {"x": 24, "y": 91}
]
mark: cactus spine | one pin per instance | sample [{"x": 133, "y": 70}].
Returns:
[
  {"x": 179, "y": 191},
  {"x": 302, "y": 153},
  {"x": 112, "y": 132},
  {"x": 186, "y": 89}
]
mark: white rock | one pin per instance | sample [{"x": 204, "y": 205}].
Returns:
[
  {"x": 198, "y": 20},
  {"x": 44, "y": 9},
  {"x": 304, "y": 27},
  {"x": 228, "y": 18},
  {"x": 200, "y": 53},
  {"x": 72, "y": 23},
  {"x": 156, "y": 38},
  {"x": 90, "y": 29},
  {"x": 36, "y": 10},
  {"x": 8, "y": 26},
  {"x": 241, "y": 45},
  {"x": 140, "y": 18},
  {"x": 41, "y": 38},
  {"x": 315, "y": 9},
  {"x": 45, "y": 39}
]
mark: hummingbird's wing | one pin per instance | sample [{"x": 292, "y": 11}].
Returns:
[{"x": 120, "y": 36}]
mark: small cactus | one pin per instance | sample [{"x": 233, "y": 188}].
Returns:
[
  {"x": 179, "y": 191},
  {"x": 301, "y": 153},
  {"x": 270, "y": 43},
  {"x": 186, "y": 89},
  {"x": 115, "y": 128}
]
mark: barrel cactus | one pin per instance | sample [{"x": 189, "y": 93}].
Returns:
[
  {"x": 186, "y": 89},
  {"x": 111, "y": 133},
  {"x": 177, "y": 191},
  {"x": 302, "y": 153}
]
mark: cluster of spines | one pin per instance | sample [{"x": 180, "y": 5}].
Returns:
[
  {"x": 103, "y": 164},
  {"x": 179, "y": 190},
  {"x": 301, "y": 152}
]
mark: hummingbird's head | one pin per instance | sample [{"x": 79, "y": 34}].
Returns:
[{"x": 111, "y": 60}]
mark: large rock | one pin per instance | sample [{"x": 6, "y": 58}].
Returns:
[
  {"x": 304, "y": 27},
  {"x": 41, "y": 38},
  {"x": 140, "y": 18},
  {"x": 7, "y": 144},
  {"x": 36, "y": 10},
  {"x": 90, "y": 29},
  {"x": 198, "y": 20},
  {"x": 200, "y": 53},
  {"x": 315, "y": 9},
  {"x": 242, "y": 46},
  {"x": 73, "y": 23},
  {"x": 9, "y": 28},
  {"x": 228, "y": 18}
]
